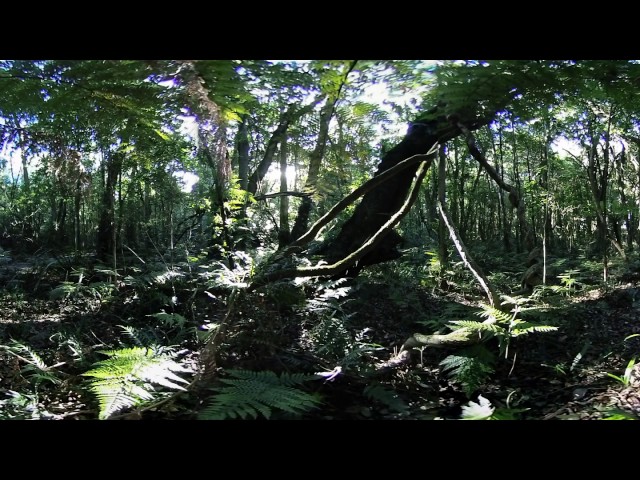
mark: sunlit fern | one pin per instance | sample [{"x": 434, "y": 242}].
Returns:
[
  {"x": 328, "y": 295},
  {"x": 500, "y": 324},
  {"x": 251, "y": 394},
  {"x": 125, "y": 379}
]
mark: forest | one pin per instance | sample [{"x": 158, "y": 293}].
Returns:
[{"x": 319, "y": 239}]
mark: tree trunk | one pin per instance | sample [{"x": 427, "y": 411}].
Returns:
[
  {"x": 443, "y": 254},
  {"x": 315, "y": 160},
  {"x": 283, "y": 231},
  {"x": 242, "y": 147},
  {"x": 77, "y": 198},
  {"x": 378, "y": 205},
  {"x": 106, "y": 228}
]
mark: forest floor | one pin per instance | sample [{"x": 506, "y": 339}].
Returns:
[{"x": 51, "y": 333}]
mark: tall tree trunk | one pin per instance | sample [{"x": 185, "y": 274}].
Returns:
[
  {"x": 546, "y": 171},
  {"x": 242, "y": 147},
  {"x": 283, "y": 231},
  {"x": 105, "y": 244},
  {"x": 443, "y": 254},
  {"x": 505, "y": 226},
  {"x": 315, "y": 160},
  {"x": 77, "y": 198}
]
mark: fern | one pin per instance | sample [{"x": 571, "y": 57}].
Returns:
[
  {"x": 124, "y": 379},
  {"x": 471, "y": 368},
  {"x": 169, "y": 319},
  {"x": 64, "y": 290},
  {"x": 503, "y": 325},
  {"x": 520, "y": 327},
  {"x": 478, "y": 326},
  {"x": 26, "y": 353},
  {"x": 493, "y": 313},
  {"x": 250, "y": 394}
]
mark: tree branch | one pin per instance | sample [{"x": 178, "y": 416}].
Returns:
[
  {"x": 369, "y": 245},
  {"x": 282, "y": 194},
  {"x": 360, "y": 191}
]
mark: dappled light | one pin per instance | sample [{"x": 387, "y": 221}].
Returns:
[{"x": 319, "y": 240}]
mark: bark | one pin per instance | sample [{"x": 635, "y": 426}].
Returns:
[
  {"x": 506, "y": 218},
  {"x": 598, "y": 180}
]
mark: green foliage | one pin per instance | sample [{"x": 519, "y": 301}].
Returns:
[
  {"x": 328, "y": 295},
  {"x": 170, "y": 319},
  {"x": 76, "y": 290},
  {"x": 331, "y": 339},
  {"x": 36, "y": 369},
  {"x": 569, "y": 283},
  {"x": 251, "y": 394},
  {"x": 126, "y": 378},
  {"x": 503, "y": 325},
  {"x": 471, "y": 367},
  {"x": 615, "y": 414},
  {"x": 628, "y": 373},
  {"x": 22, "y": 406}
]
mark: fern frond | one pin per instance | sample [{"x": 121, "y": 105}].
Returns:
[
  {"x": 477, "y": 326},
  {"x": 29, "y": 355},
  {"x": 169, "y": 319},
  {"x": 523, "y": 328},
  {"x": 251, "y": 393},
  {"x": 492, "y": 312},
  {"x": 63, "y": 290},
  {"x": 123, "y": 380},
  {"x": 132, "y": 333},
  {"x": 471, "y": 369}
]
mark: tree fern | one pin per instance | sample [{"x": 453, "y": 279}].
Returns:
[
  {"x": 124, "y": 379},
  {"x": 250, "y": 394}
]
